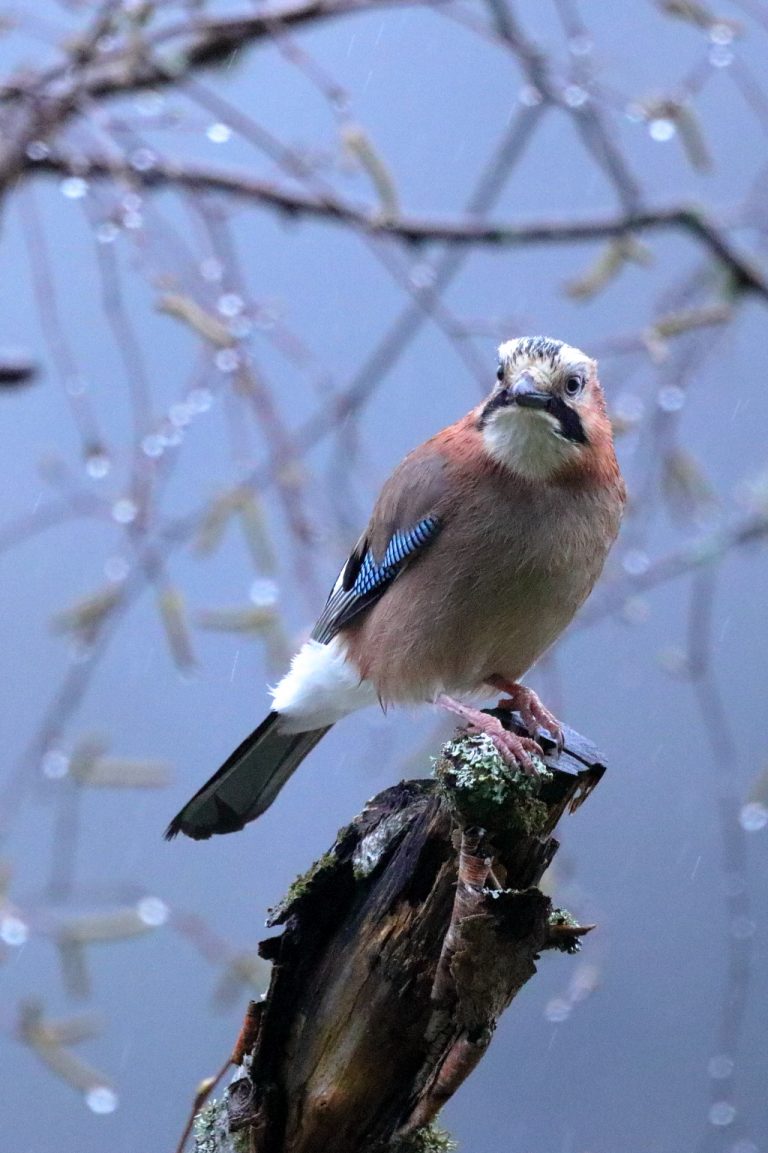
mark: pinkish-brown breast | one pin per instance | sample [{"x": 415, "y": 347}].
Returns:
[{"x": 512, "y": 565}]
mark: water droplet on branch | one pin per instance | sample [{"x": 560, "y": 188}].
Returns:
[
  {"x": 73, "y": 187},
  {"x": 54, "y": 764},
  {"x": 124, "y": 510},
  {"x": 753, "y": 817},
  {"x": 218, "y": 133},
  {"x": 101, "y": 1099},
  {"x": 722, "y": 1113},
  {"x": 97, "y": 464},
  {"x": 152, "y": 911},
  {"x": 661, "y": 129},
  {"x": 13, "y": 931}
]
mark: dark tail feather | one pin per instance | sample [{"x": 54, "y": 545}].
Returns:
[{"x": 247, "y": 783}]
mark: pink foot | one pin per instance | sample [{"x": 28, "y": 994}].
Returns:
[
  {"x": 527, "y": 704},
  {"x": 514, "y": 750}
]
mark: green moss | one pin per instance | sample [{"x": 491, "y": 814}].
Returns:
[
  {"x": 305, "y": 881},
  {"x": 430, "y": 1139},
  {"x": 241, "y": 1141},
  {"x": 211, "y": 1131},
  {"x": 302, "y": 885},
  {"x": 483, "y": 790},
  {"x": 560, "y": 921}
]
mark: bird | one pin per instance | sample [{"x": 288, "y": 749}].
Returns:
[{"x": 482, "y": 546}]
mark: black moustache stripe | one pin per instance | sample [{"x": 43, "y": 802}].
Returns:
[
  {"x": 569, "y": 420},
  {"x": 501, "y": 399}
]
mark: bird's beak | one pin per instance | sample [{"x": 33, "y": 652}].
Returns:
[{"x": 527, "y": 395}]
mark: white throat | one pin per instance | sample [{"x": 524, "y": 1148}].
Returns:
[{"x": 526, "y": 442}]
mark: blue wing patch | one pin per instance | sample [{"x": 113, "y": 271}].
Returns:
[{"x": 373, "y": 577}]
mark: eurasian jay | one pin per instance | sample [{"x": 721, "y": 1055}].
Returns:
[{"x": 481, "y": 547}]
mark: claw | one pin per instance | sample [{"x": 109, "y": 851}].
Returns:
[
  {"x": 514, "y": 750},
  {"x": 535, "y": 715}
]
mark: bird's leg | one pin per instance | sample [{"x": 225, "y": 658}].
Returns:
[
  {"x": 535, "y": 715},
  {"x": 514, "y": 750}
]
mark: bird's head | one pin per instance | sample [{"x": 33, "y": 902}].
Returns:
[{"x": 546, "y": 415}]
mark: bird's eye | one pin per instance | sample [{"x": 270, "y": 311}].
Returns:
[
  {"x": 500, "y": 372},
  {"x": 574, "y": 385}
]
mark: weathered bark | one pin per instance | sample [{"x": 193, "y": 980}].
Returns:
[{"x": 400, "y": 949}]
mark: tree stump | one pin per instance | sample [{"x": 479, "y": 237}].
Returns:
[{"x": 400, "y": 949}]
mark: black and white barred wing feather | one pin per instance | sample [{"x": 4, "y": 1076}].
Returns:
[{"x": 364, "y": 579}]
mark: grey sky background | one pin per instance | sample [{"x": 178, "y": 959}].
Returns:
[{"x": 629, "y": 1066}]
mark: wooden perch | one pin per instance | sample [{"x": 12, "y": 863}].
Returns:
[{"x": 400, "y": 949}]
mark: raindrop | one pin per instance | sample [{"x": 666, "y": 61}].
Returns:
[
  {"x": 54, "y": 764},
  {"x": 581, "y": 44},
  {"x": 142, "y": 159},
  {"x": 557, "y": 1009},
  {"x": 152, "y": 911},
  {"x": 107, "y": 232},
  {"x": 263, "y": 592},
  {"x": 37, "y": 150},
  {"x": 132, "y": 202},
  {"x": 13, "y": 931},
  {"x": 575, "y": 96},
  {"x": 227, "y": 360},
  {"x": 422, "y": 275},
  {"x": 97, "y": 464},
  {"x": 200, "y": 399},
  {"x": 152, "y": 445},
  {"x": 720, "y": 1067},
  {"x": 218, "y": 133},
  {"x": 132, "y": 220},
  {"x": 180, "y": 414},
  {"x": 635, "y": 113},
  {"x": 101, "y": 1099},
  {"x": 721, "y": 34},
  {"x": 722, "y": 1113},
  {"x": 230, "y": 304},
  {"x": 116, "y": 568},
  {"x": 124, "y": 510},
  {"x": 671, "y": 398},
  {"x": 720, "y": 56},
  {"x": 635, "y": 562},
  {"x": 529, "y": 96},
  {"x": 753, "y": 817},
  {"x": 742, "y": 928},
  {"x": 73, "y": 187},
  {"x": 661, "y": 129},
  {"x": 211, "y": 269}
]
